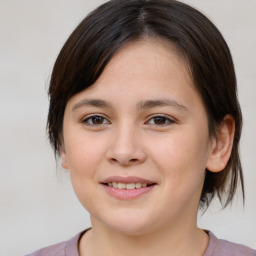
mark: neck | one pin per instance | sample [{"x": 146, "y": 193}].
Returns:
[{"x": 173, "y": 240}]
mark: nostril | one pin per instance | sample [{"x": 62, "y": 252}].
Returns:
[{"x": 115, "y": 160}]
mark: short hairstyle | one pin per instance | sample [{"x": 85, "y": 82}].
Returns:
[{"x": 112, "y": 25}]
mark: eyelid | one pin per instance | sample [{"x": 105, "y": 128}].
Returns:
[
  {"x": 85, "y": 119},
  {"x": 171, "y": 120}
]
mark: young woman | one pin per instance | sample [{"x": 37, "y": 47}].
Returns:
[{"x": 144, "y": 114}]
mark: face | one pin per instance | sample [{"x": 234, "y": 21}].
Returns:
[{"x": 137, "y": 143}]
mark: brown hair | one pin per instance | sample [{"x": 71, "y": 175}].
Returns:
[{"x": 115, "y": 23}]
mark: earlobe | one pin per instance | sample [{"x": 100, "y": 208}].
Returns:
[
  {"x": 221, "y": 145},
  {"x": 64, "y": 161}
]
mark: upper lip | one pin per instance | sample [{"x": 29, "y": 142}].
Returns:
[{"x": 126, "y": 180}]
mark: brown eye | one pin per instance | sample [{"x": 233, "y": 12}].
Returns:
[
  {"x": 160, "y": 121},
  {"x": 95, "y": 120}
]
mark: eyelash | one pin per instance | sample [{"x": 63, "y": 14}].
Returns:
[
  {"x": 161, "y": 117},
  {"x": 88, "y": 123},
  {"x": 88, "y": 120}
]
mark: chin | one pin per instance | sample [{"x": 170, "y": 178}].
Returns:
[
  {"x": 130, "y": 224},
  {"x": 131, "y": 230}
]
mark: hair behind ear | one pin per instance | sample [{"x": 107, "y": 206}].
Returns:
[{"x": 221, "y": 176}]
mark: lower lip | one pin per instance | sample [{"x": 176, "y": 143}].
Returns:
[{"x": 126, "y": 194}]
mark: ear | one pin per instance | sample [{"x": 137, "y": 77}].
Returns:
[
  {"x": 221, "y": 145},
  {"x": 64, "y": 161}
]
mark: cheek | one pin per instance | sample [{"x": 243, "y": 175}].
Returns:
[
  {"x": 83, "y": 154},
  {"x": 182, "y": 157},
  {"x": 84, "y": 157}
]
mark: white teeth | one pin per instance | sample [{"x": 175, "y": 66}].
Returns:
[
  {"x": 130, "y": 186},
  {"x": 138, "y": 185},
  {"x": 121, "y": 185}
]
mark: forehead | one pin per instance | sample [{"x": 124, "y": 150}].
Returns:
[{"x": 144, "y": 60}]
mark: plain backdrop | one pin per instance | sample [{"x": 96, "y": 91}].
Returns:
[{"x": 37, "y": 204}]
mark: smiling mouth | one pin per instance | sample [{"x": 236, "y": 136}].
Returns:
[{"x": 128, "y": 186}]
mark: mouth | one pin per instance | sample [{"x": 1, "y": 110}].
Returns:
[
  {"x": 128, "y": 186},
  {"x": 125, "y": 188}
]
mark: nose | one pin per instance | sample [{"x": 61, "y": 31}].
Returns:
[{"x": 126, "y": 147}]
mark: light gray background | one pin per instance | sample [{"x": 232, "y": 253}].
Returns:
[{"x": 37, "y": 204}]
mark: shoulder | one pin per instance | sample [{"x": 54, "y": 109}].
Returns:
[
  {"x": 67, "y": 248},
  {"x": 219, "y": 247},
  {"x": 56, "y": 250}
]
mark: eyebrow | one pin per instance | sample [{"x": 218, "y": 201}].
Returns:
[
  {"x": 92, "y": 102},
  {"x": 161, "y": 102}
]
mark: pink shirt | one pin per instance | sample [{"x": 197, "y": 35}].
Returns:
[{"x": 216, "y": 247}]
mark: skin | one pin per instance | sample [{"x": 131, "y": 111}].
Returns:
[{"x": 127, "y": 139}]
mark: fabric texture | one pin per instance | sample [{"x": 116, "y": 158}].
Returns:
[{"x": 216, "y": 247}]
